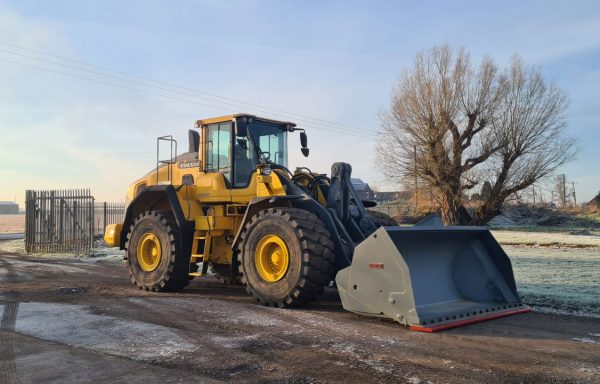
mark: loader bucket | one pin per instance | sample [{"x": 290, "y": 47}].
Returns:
[{"x": 430, "y": 278}]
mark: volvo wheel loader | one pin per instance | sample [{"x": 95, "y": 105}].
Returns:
[{"x": 231, "y": 204}]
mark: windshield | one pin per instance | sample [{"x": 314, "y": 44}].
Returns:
[
  {"x": 267, "y": 141},
  {"x": 270, "y": 142}
]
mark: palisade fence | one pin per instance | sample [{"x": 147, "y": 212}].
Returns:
[
  {"x": 66, "y": 220},
  {"x": 395, "y": 210},
  {"x": 105, "y": 214}
]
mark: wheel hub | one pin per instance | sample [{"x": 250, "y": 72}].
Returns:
[
  {"x": 149, "y": 252},
  {"x": 272, "y": 258}
]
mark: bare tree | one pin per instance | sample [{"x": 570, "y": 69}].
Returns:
[
  {"x": 470, "y": 125},
  {"x": 529, "y": 129},
  {"x": 442, "y": 106}
]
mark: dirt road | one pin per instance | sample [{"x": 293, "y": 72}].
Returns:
[{"x": 76, "y": 321}]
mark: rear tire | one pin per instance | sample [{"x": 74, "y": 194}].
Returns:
[
  {"x": 309, "y": 250},
  {"x": 154, "y": 255},
  {"x": 382, "y": 218}
]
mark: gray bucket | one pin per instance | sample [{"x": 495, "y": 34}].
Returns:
[{"x": 430, "y": 278}]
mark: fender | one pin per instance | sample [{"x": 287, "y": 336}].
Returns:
[
  {"x": 343, "y": 248},
  {"x": 162, "y": 198},
  {"x": 258, "y": 204}
]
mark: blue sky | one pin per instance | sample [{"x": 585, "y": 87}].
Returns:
[{"x": 332, "y": 60}]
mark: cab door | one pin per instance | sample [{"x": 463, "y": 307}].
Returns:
[{"x": 214, "y": 184}]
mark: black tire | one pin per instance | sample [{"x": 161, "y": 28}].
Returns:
[
  {"x": 171, "y": 274},
  {"x": 382, "y": 218},
  {"x": 224, "y": 273},
  {"x": 311, "y": 257}
]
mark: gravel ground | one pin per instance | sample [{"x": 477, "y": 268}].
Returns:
[{"x": 77, "y": 320}]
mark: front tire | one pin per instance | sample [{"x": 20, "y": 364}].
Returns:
[
  {"x": 286, "y": 257},
  {"x": 382, "y": 218},
  {"x": 154, "y": 255}
]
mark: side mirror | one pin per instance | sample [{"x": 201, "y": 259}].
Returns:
[
  {"x": 304, "y": 143},
  {"x": 303, "y": 139}
]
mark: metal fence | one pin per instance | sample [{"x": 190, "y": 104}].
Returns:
[
  {"x": 105, "y": 214},
  {"x": 395, "y": 210},
  {"x": 66, "y": 220}
]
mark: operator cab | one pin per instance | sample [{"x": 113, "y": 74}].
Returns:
[{"x": 236, "y": 145}]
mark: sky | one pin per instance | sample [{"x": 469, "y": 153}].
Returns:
[{"x": 330, "y": 66}]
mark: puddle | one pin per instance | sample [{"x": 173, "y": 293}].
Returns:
[{"x": 75, "y": 325}]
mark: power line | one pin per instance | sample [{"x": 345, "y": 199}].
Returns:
[
  {"x": 160, "y": 94},
  {"x": 331, "y": 129},
  {"x": 304, "y": 117}
]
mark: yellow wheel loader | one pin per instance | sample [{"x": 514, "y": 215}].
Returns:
[{"x": 231, "y": 204}]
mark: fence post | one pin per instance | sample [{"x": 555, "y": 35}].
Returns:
[
  {"x": 92, "y": 218},
  {"x": 27, "y": 221},
  {"x": 61, "y": 215},
  {"x": 51, "y": 230},
  {"x": 105, "y": 217},
  {"x": 74, "y": 234}
]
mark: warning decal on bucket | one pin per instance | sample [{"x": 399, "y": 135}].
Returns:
[{"x": 376, "y": 265}]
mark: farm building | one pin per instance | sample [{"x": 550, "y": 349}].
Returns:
[
  {"x": 364, "y": 191},
  {"x": 594, "y": 204},
  {"x": 8, "y": 207}
]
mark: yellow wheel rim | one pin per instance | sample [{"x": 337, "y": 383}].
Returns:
[
  {"x": 149, "y": 252},
  {"x": 272, "y": 258}
]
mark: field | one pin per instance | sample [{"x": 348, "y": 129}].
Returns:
[
  {"x": 12, "y": 223},
  {"x": 560, "y": 280}
]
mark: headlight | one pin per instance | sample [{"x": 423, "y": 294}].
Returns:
[{"x": 265, "y": 170}]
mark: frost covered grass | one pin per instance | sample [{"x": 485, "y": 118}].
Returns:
[
  {"x": 100, "y": 253},
  {"x": 548, "y": 239},
  {"x": 558, "y": 280}
]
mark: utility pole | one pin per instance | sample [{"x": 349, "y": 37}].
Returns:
[
  {"x": 574, "y": 196},
  {"x": 564, "y": 194}
]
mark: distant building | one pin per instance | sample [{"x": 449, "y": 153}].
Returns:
[
  {"x": 594, "y": 204},
  {"x": 364, "y": 191},
  {"x": 8, "y": 208}
]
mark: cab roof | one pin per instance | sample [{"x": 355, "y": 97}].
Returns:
[{"x": 222, "y": 119}]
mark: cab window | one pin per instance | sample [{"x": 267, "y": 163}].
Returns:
[{"x": 218, "y": 146}]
